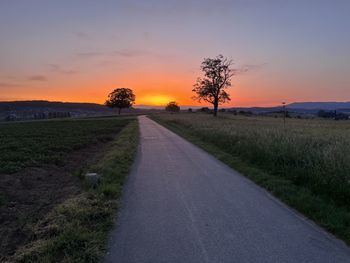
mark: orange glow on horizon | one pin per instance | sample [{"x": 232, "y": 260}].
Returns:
[
  {"x": 155, "y": 100},
  {"x": 157, "y": 86}
]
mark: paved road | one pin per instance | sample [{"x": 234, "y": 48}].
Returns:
[{"x": 182, "y": 205}]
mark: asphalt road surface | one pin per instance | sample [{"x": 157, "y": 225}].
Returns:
[{"x": 182, "y": 205}]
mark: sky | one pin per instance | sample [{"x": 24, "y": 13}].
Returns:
[{"x": 80, "y": 50}]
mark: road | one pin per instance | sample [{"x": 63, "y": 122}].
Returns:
[{"x": 180, "y": 204}]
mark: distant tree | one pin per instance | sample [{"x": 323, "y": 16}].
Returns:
[
  {"x": 204, "y": 109},
  {"x": 172, "y": 107},
  {"x": 120, "y": 98},
  {"x": 341, "y": 116},
  {"x": 217, "y": 78},
  {"x": 321, "y": 113},
  {"x": 246, "y": 113},
  {"x": 326, "y": 114},
  {"x": 333, "y": 115}
]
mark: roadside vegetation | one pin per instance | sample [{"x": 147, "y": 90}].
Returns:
[
  {"x": 49, "y": 211},
  {"x": 306, "y": 163}
]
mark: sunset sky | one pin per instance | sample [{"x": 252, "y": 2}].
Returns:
[{"x": 79, "y": 50}]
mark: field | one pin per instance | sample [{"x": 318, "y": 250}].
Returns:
[
  {"x": 306, "y": 163},
  {"x": 35, "y": 143},
  {"x": 46, "y": 207}
]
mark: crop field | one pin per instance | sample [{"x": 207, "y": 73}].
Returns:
[
  {"x": 41, "y": 142},
  {"x": 306, "y": 162},
  {"x": 42, "y": 164}
]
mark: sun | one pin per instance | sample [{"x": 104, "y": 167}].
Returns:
[{"x": 155, "y": 100}]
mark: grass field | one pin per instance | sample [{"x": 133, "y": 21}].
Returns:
[
  {"x": 306, "y": 163},
  {"x": 48, "y": 213}
]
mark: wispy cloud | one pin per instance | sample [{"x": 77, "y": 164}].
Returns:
[
  {"x": 37, "y": 78},
  {"x": 249, "y": 68},
  {"x": 58, "y": 69},
  {"x": 131, "y": 53},
  {"x": 10, "y": 77},
  {"x": 126, "y": 53},
  {"x": 9, "y": 98},
  {"x": 9, "y": 85},
  {"x": 82, "y": 35},
  {"x": 90, "y": 54}
]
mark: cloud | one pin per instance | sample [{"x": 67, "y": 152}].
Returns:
[
  {"x": 91, "y": 54},
  {"x": 131, "y": 53},
  {"x": 249, "y": 68},
  {"x": 81, "y": 35},
  {"x": 126, "y": 53},
  {"x": 58, "y": 69},
  {"x": 9, "y": 98},
  {"x": 9, "y": 85},
  {"x": 105, "y": 63},
  {"x": 37, "y": 78},
  {"x": 14, "y": 82},
  {"x": 10, "y": 77}
]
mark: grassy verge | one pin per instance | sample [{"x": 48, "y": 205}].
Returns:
[
  {"x": 327, "y": 212},
  {"x": 77, "y": 230}
]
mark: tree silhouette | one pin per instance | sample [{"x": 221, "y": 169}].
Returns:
[
  {"x": 217, "y": 78},
  {"x": 172, "y": 107},
  {"x": 120, "y": 98}
]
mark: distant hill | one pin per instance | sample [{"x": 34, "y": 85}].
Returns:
[
  {"x": 319, "y": 105},
  {"x": 49, "y": 105}
]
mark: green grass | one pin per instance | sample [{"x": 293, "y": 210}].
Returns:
[
  {"x": 25, "y": 144},
  {"x": 77, "y": 230},
  {"x": 306, "y": 164}
]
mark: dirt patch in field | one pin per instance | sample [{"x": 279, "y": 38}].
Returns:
[{"x": 27, "y": 196}]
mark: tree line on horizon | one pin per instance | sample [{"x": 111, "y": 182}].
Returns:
[{"x": 217, "y": 75}]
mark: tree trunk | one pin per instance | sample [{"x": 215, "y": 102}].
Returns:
[
  {"x": 216, "y": 105},
  {"x": 119, "y": 110}
]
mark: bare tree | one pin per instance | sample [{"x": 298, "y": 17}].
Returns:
[
  {"x": 120, "y": 98},
  {"x": 217, "y": 78}
]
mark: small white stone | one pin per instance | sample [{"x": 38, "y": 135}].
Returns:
[{"x": 93, "y": 178}]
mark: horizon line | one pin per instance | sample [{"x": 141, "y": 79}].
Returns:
[{"x": 184, "y": 105}]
